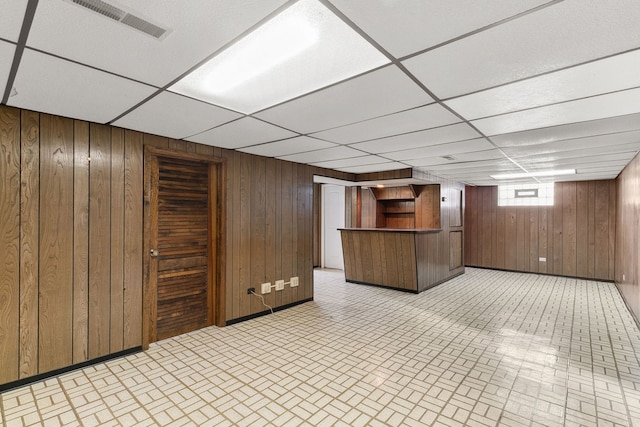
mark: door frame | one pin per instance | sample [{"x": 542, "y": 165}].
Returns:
[{"x": 217, "y": 247}]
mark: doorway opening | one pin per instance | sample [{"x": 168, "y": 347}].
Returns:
[{"x": 332, "y": 219}]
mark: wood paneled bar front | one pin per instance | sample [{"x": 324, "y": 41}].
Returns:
[{"x": 404, "y": 259}]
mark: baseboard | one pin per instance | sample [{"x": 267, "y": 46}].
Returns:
[
  {"x": 55, "y": 373},
  {"x": 540, "y": 273},
  {"x": 375, "y": 285},
  {"x": 264, "y": 313}
]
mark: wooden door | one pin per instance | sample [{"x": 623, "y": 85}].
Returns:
[{"x": 182, "y": 227}]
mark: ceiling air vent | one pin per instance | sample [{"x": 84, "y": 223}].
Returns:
[{"x": 124, "y": 17}]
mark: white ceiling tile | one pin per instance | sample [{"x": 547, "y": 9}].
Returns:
[
  {"x": 585, "y": 173},
  {"x": 448, "y": 149},
  {"x": 469, "y": 172},
  {"x": 491, "y": 154},
  {"x": 590, "y": 163},
  {"x": 426, "y": 117},
  {"x": 11, "y": 18},
  {"x": 567, "y": 33},
  {"x": 196, "y": 31},
  {"x": 339, "y": 152},
  {"x": 424, "y": 162},
  {"x": 371, "y": 95},
  {"x": 569, "y": 131},
  {"x": 241, "y": 133},
  {"x": 462, "y": 157},
  {"x": 6, "y": 59},
  {"x": 597, "y": 107},
  {"x": 604, "y": 142},
  {"x": 600, "y": 169},
  {"x": 419, "y": 139},
  {"x": 534, "y": 163},
  {"x": 52, "y": 85},
  {"x": 399, "y": 26},
  {"x": 473, "y": 166},
  {"x": 481, "y": 182},
  {"x": 175, "y": 116},
  {"x": 586, "y": 177},
  {"x": 478, "y": 174},
  {"x": 352, "y": 161},
  {"x": 581, "y": 177},
  {"x": 569, "y": 156},
  {"x": 380, "y": 167},
  {"x": 286, "y": 147},
  {"x": 607, "y": 75},
  {"x": 463, "y": 170}
]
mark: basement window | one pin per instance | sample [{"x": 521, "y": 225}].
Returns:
[{"x": 536, "y": 194}]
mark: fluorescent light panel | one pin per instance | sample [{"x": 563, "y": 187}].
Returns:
[
  {"x": 304, "y": 48},
  {"x": 533, "y": 174}
]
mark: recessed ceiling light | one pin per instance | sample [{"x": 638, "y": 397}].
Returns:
[
  {"x": 533, "y": 174},
  {"x": 304, "y": 48}
]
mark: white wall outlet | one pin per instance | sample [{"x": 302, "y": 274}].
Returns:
[
  {"x": 623, "y": 278},
  {"x": 279, "y": 285},
  {"x": 294, "y": 282},
  {"x": 265, "y": 288},
  {"x": 542, "y": 259}
]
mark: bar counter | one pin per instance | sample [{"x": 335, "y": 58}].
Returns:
[{"x": 411, "y": 260}]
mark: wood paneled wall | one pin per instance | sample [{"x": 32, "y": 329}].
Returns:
[
  {"x": 627, "y": 275},
  {"x": 368, "y": 207},
  {"x": 427, "y": 207},
  {"x": 576, "y": 235},
  {"x": 366, "y": 201},
  {"x": 71, "y": 221},
  {"x": 71, "y": 234}
]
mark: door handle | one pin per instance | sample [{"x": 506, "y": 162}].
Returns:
[{"x": 154, "y": 253}]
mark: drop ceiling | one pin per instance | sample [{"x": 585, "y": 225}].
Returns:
[{"x": 459, "y": 89}]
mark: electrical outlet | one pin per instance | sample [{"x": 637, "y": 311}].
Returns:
[
  {"x": 265, "y": 288},
  {"x": 279, "y": 285},
  {"x": 251, "y": 291},
  {"x": 294, "y": 282},
  {"x": 542, "y": 259},
  {"x": 623, "y": 277}
]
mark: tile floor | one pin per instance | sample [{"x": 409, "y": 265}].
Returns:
[{"x": 488, "y": 348}]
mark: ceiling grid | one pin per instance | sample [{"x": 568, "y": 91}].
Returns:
[{"x": 459, "y": 89}]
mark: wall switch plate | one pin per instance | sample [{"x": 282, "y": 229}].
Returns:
[
  {"x": 623, "y": 278},
  {"x": 279, "y": 285},
  {"x": 294, "y": 282},
  {"x": 265, "y": 288},
  {"x": 542, "y": 259}
]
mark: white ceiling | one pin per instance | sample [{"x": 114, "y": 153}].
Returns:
[{"x": 468, "y": 88}]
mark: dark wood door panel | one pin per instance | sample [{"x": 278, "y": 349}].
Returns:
[{"x": 183, "y": 279}]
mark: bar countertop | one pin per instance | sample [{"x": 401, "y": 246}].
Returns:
[{"x": 396, "y": 230}]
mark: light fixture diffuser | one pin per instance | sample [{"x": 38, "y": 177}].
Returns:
[
  {"x": 258, "y": 53},
  {"x": 304, "y": 48},
  {"x": 533, "y": 174}
]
